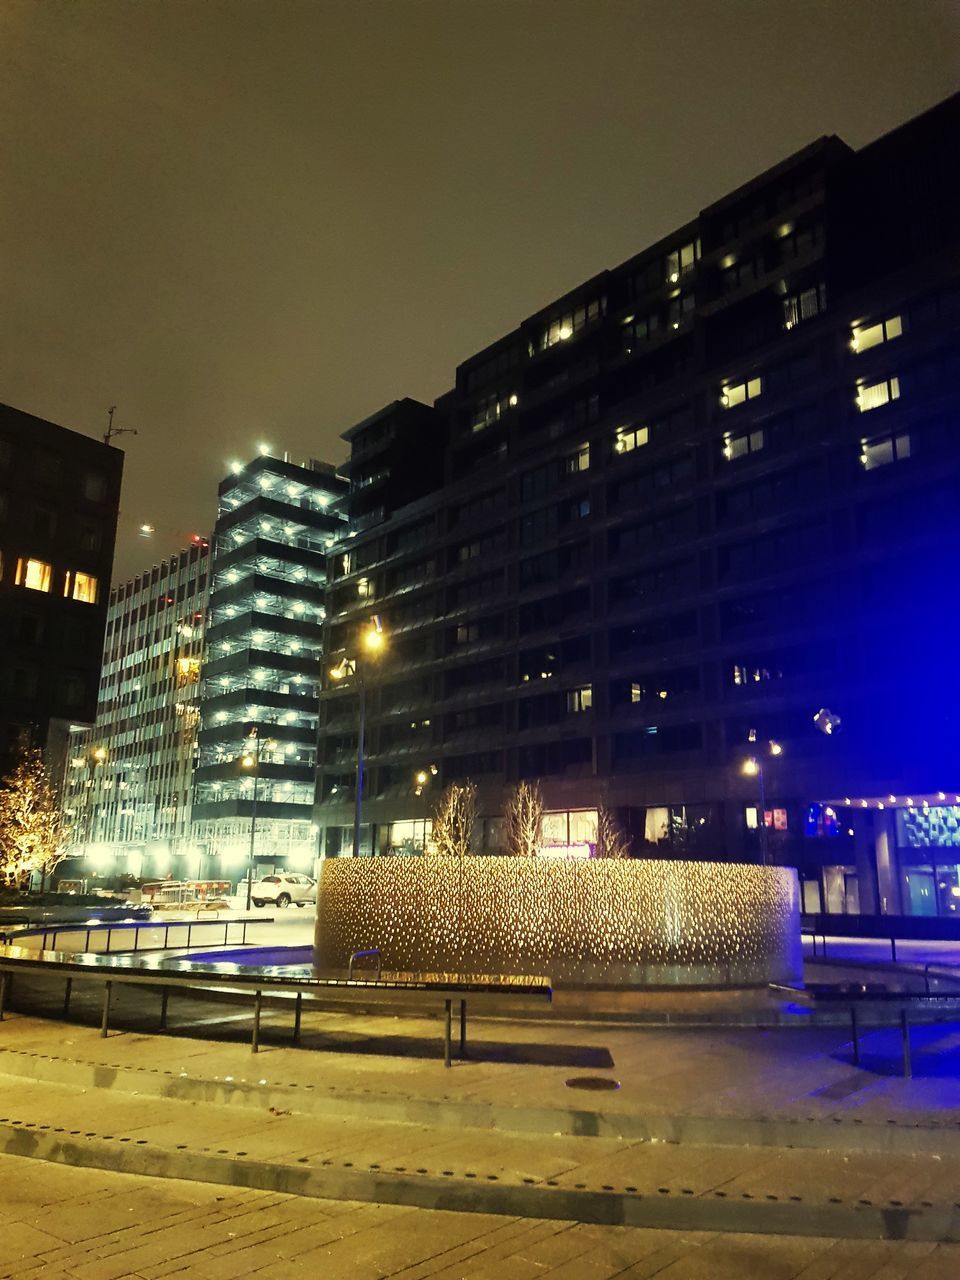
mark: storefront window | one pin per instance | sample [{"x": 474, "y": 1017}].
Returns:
[
  {"x": 841, "y": 890},
  {"x": 948, "y": 889},
  {"x": 919, "y": 892}
]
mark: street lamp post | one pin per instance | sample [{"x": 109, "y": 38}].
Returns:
[
  {"x": 753, "y": 768},
  {"x": 372, "y": 642}
]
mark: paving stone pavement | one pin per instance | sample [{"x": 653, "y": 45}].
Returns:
[
  {"x": 405, "y": 1132},
  {"x": 58, "y": 1222}
]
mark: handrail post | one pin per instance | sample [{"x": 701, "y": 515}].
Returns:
[
  {"x": 109, "y": 934},
  {"x": 893, "y": 948},
  {"x": 296, "y": 1018},
  {"x": 905, "y": 1037},
  {"x": 446, "y": 1032},
  {"x": 463, "y": 1028},
  {"x": 255, "y": 1044},
  {"x": 164, "y": 1001},
  {"x": 68, "y": 991},
  {"x": 4, "y": 980},
  {"x": 105, "y": 1020}
]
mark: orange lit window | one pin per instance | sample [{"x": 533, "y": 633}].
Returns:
[
  {"x": 34, "y": 574},
  {"x": 80, "y": 586}
]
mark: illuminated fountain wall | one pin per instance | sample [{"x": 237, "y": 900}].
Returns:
[{"x": 577, "y": 921}]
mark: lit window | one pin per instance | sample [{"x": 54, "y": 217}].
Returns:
[
  {"x": 579, "y": 460},
  {"x": 739, "y": 392},
  {"x": 80, "y": 586},
  {"x": 682, "y": 260},
  {"x": 580, "y": 699},
  {"x": 565, "y": 326},
  {"x": 36, "y": 575},
  {"x": 364, "y": 588},
  {"x": 877, "y": 453},
  {"x": 871, "y": 335},
  {"x": 626, "y": 439},
  {"x": 804, "y": 306},
  {"x": 877, "y": 394},
  {"x": 740, "y": 446}
]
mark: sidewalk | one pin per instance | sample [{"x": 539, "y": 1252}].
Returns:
[
  {"x": 87, "y": 1225},
  {"x": 771, "y": 1132}
]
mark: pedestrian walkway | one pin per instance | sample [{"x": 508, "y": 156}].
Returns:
[
  {"x": 770, "y": 1132},
  {"x": 89, "y": 1225}
]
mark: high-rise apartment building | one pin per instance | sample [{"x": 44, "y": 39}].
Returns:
[
  {"x": 129, "y": 777},
  {"x": 677, "y": 513},
  {"x": 59, "y": 497},
  {"x": 258, "y": 700}
]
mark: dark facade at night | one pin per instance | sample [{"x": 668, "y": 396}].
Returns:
[
  {"x": 675, "y": 514},
  {"x": 59, "y": 498}
]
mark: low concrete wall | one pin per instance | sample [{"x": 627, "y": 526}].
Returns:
[{"x": 626, "y": 922}]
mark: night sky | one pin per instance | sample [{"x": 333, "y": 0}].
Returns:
[{"x": 245, "y": 220}]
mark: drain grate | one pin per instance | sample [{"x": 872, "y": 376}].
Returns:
[{"x": 592, "y": 1082}]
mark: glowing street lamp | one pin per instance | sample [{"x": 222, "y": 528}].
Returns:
[
  {"x": 372, "y": 643},
  {"x": 422, "y": 777},
  {"x": 753, "y": 768}
]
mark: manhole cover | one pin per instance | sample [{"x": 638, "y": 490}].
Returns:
[{"x": 592, "y": 1082}]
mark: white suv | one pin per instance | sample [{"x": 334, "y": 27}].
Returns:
[{"x": 283, "y": 889}]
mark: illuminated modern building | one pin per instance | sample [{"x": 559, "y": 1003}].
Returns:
[
  {"x": 129, "y": 777},
  {"x": 675, "y": 514},
  {"x": 59, "y": 497},
  {"x": 276, "y": 523}
]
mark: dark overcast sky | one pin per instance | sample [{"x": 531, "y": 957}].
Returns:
[{"x": 265, "y": 219}]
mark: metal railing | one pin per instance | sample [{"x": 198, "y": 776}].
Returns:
[
  {"x": 50, "y": 934},
  {"x": 374, "y": 951}
]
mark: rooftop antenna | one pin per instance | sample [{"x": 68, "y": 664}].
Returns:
[{"x": 112, "y": 431}]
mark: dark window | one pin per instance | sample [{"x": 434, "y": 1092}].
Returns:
[
  {"x": 670, "y": 527},
  {"x": 653, "y": 631},
  {"x": 94, "y": 486},
  {"x": 543, "y": 759},
  {"x": 657, "y": 740}
]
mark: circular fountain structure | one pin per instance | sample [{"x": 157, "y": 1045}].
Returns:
[{"x": 581, "y": 922}]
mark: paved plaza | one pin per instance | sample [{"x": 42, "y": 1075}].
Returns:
[
  {"x": 58, "y": 1222},
  {"x": 693, "y": 1150}
]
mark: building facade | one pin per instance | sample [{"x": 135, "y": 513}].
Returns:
[
  {"x": 129, "y": 778},
  {"x": 59, "y": 498},
  {"x": 668, "y": 520},
  {"x": 254, "y": 782}
]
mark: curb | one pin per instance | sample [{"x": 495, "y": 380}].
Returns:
[
  {"x": 668, "y": 1209},
  {"x": 809, "y": 1132}
]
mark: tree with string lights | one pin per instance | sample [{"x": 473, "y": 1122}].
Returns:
[
  {"x": 33, "y": 836},
  {"x": 453, "y": 820},
  {"x": 523, "y": 820},
  {"x": 612, "y": 842}
]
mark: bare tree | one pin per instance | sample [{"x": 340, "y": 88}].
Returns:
[
  {"x": 33, "y": 836},
  {"x": 612, "y": 842},
  {"x": 523, "y": 820},
  {"x": 454, "y": 818}
]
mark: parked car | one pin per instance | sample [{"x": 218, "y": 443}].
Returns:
[{"x": 283, "y": 889}]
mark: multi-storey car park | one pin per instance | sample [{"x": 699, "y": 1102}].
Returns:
[
  {"x": 129, "y": 780},
  {"x": 665, "y": 522},
  {"x": 258, "y": 699}
]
